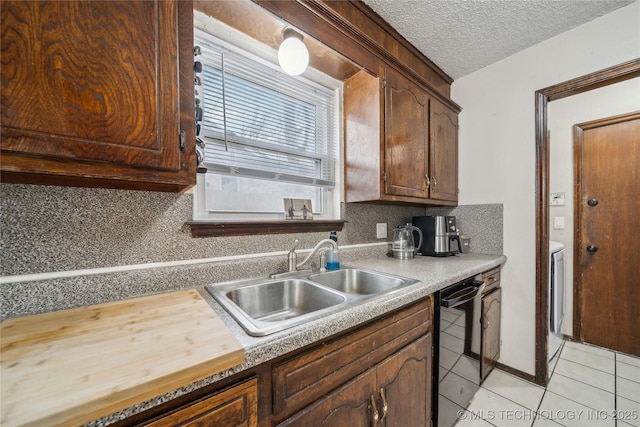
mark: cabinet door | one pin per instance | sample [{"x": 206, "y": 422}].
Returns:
[
  {"x": 404, "y": 385},
  {"x": 444, "y": 152},
  {"x": 490, "y": 335},
  {"x": 234, "y": 407},
  {"x": 92, "y": 86},
  {"x": 350, "y": 405},
  {"x": 406, "y": 137}
]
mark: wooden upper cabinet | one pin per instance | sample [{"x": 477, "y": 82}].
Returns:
[
  {"x": 98, "y": 93},
  {"x": 406, "y": 137},
  {"x": 401, "y": 143},
  {"x": 443, "y": 163}
]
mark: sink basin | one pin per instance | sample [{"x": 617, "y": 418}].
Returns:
[
  {"x": 265, "y": 306},
  {"x": 282, "y": 300},
  {"x": 360, "y": 282}
]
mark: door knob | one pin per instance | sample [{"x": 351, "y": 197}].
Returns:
[
  {"x": 592, "y": 202},
  {"x": 592, "y": 248}
]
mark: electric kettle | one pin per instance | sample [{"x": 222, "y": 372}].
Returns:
[{"x": 403, "y": 245}]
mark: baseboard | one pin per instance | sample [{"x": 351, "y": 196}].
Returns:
[{"x": 517, "y": 373}]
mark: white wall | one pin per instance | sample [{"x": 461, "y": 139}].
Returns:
[
  {"x": 497, "y": 149},
  {"x": 608, "y": 101}
]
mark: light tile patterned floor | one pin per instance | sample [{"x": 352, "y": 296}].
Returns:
[{"x": 589, "y": 386}]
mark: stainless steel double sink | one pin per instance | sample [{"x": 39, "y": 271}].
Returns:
[{"x": 265, "y": 306}]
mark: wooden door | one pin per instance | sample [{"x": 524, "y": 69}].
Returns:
[
  {"x": 406, "y": 137},
  {"x": 404, "y": 383},
  {"x": 607, "y": 249},
  {"x": 490, "y": 332},
  {"x": 350, "y": 405},
  {"x": 443, "y": 157}
]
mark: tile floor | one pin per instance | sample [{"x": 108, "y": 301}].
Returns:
[{"x": 588, "y": 386}]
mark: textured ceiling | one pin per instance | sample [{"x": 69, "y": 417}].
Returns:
[{"x": 462, "y": 36}]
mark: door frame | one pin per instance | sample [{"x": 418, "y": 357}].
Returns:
[
  {"x": 578, "y": 146},
  {"x": 598, "y": 79}
]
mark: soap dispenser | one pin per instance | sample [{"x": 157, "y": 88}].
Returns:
[{"x": 333, "y": 260}]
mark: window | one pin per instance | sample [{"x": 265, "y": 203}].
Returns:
[{"x": 268, "y": 136}]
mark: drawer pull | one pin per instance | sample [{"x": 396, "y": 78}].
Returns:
[
  {"x": 385, "y": 407},
  {"x": 375, "y": 416}
]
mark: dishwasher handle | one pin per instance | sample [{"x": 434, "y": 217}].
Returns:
[{"x": 462, "y": 295}]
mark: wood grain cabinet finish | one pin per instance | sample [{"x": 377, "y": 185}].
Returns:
[
  {"x": 490, "y": 323},
  {"x": 406, "y": 137},
  {"x": 396, "y": 392},
  {"x": 401, "y": 144},
  {"x": 343, "y": 380},
  {"x": 443, "y": 148},
  {"x": 233, "y": 407},
  {"x": 380, "y": 375},
  {"x": 98, "y": 93},
  {"x": 302, "y": 379}
]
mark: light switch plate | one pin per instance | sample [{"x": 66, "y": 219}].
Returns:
[
  {"x": 558, "y": 222},
  {"x": 381, "y": 230}
]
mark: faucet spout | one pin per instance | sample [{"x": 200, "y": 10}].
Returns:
[{"x": 314, "y": 251}]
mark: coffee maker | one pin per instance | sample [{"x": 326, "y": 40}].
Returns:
[{"x": 440, "y": 235}]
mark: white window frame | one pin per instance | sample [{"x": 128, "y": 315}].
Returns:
[{"x": 238, "y": 41}]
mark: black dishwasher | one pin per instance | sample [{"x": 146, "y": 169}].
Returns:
[{"x": 457, "y": 344}]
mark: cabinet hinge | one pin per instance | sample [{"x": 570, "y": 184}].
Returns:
[{"x": 183, "y": 140}]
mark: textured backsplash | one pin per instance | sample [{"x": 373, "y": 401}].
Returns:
[
  {"x": 482, "y": 223},
  {"x": 50, "y": 229}
]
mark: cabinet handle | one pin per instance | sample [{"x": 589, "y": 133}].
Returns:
[
  {"x": 435, "y": 183},
  {"x": 427, "y": 183},
  {"x": 385, "y": 407},
  {"x": 374, "y": 415},
  {"x": 485, "y": 322}
]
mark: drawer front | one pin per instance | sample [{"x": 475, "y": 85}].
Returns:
[
  {"x": 309, "y": 376},
  {"x": 491, "y": 280},
  {"x": 233, "y": 407}
]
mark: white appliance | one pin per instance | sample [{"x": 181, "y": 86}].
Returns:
[{"x": 556, "y": 296}]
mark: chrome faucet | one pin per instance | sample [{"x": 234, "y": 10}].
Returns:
[
  {"x": 314, "y": 251},
  {"x": 292, "y": 257}
]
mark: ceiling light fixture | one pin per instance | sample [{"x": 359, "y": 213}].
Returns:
[{"x": 293, "y": 55}]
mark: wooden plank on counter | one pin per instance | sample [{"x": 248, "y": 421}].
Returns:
[{"x": 74, "y": 366}]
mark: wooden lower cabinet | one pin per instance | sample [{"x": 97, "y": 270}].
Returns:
[
  {"x": 396, "y": 392},
  {"x": 350, "y": 405},
  {"x": 404, "y": 382},
  {"x": 233, "y": 407},
  {"x": 490, "y": 323},
  {"x": 378, "y": 374}
]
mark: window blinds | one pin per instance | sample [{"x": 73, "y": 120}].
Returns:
[{"x": 261, "y": 123}]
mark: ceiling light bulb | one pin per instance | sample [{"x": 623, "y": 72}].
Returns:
[{"x": 293, "y": 55}]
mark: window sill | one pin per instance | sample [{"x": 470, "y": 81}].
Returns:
[{"x": 250, "y": 228}]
